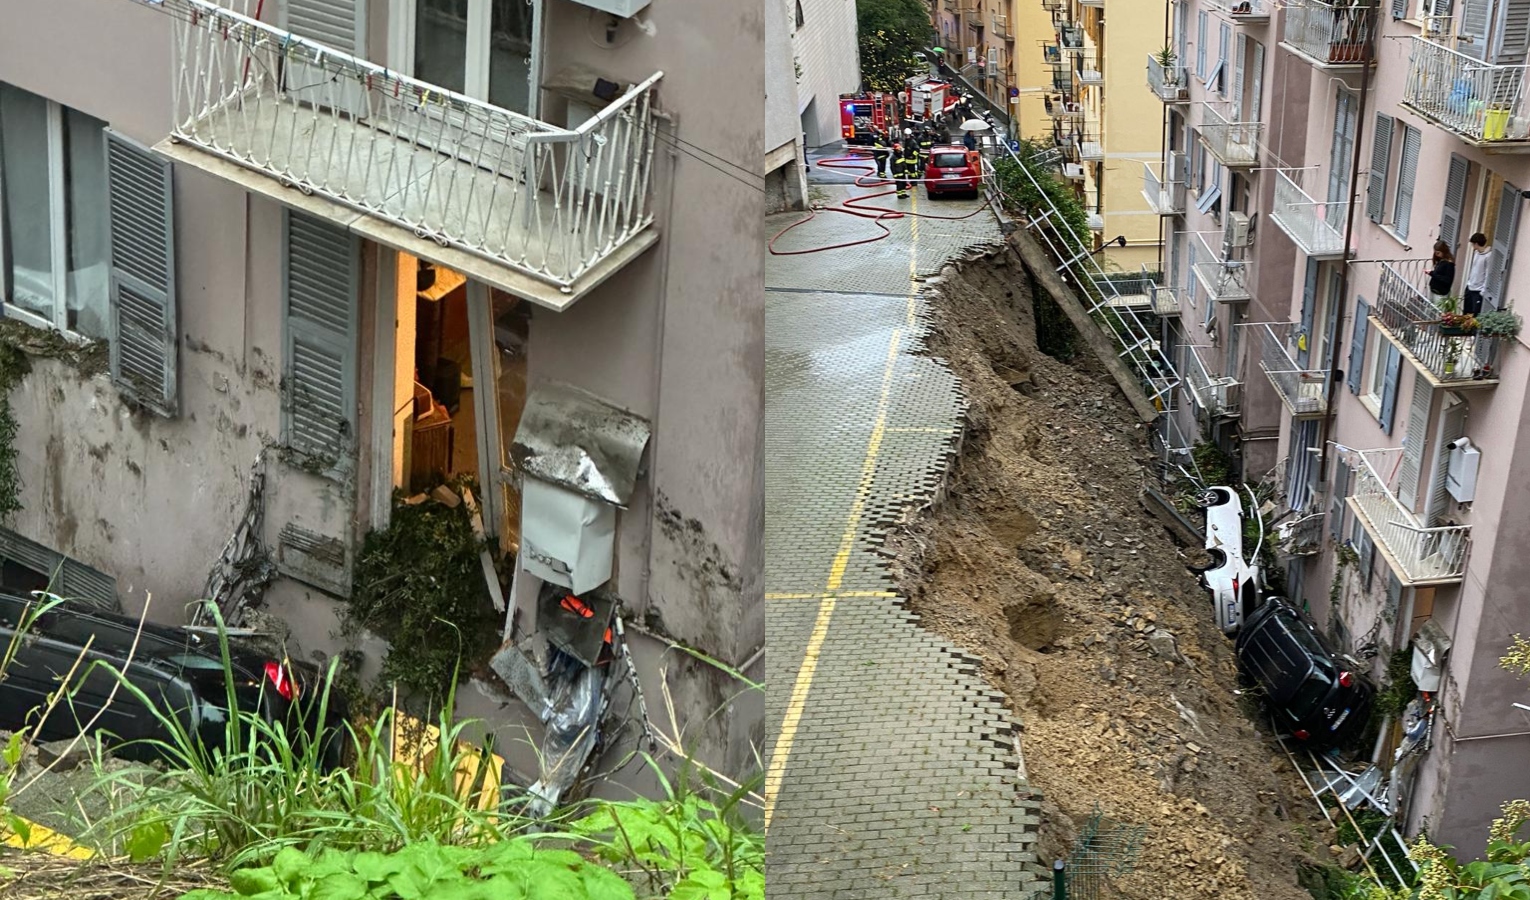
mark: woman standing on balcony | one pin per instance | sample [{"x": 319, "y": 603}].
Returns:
[{"x": 1442, "y": 274}]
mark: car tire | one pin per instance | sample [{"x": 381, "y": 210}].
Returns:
[
  {"x": 1209, "y": 498},
  {"x": 1218, "y": 559}
]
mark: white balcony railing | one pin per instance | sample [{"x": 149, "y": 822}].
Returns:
[
  {"x": 1170, "y": 83},
  {"x": 1166, "y": 300},
  {"x": 1328, "y": 32},
  {"x": 1316, "y": 227},
  {"x": 1234, "y": 144},
  {"x": 1413, "y": 320},
  {"x": 546, "y": 201},
  {"x": 1090, "y": 150},
  {"x": 1167, "y": 198},
  {"x": 1001, "y": 27},
  {"x": 1476, "y": 100},
  {"x": 1303, "y": 390},
  {"x": 1245, "y": 10},
  {"x": 1417, "y": 554},
  {"x": 1224, "y": 280},
  {"x": 1216, "y": 394},
  {"x": 1090, "y": 77}
]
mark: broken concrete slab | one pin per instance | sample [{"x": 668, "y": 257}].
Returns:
[{"x": 64, "y": 755}]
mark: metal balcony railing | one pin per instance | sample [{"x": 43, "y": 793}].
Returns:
[
  {"x": 1170, "y": 83},
  {"x": 1166, "y": 300},
  {"x": 1329, "y": 32},
  {"x": 1132, "y": 289},
  {"x": 1417, "y": 555},
  {"x": 1090, "y": 150},
  {"x": 1224, "y": 280},
  {"x": 1406, "y": 313},
  {"x": 1167, "y": 198},
  {"x": 1234, "y": 144},
  {"x": 1217, "y": 394},
  {"x": 1071, "y": 37},
  {"x": 1001, "y": 27},
  {"x": 1090, "y": 77},
  {"x": 1303, "y": 390},
  {"x": 1478, "y": 101},
  {"x": 1317, "y": 227},
  {"x": 547, "y": 201},
  {"x": 1245, "y": 10}
]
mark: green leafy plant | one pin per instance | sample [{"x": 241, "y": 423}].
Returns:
[
  {"x": 1398, "y": 689},
  {"x": 1167, "y": 58},
  {"x": 889, "y": 34},
  {"x": 1503, "y": 875},
  {"x": 1499, "y": 323}
]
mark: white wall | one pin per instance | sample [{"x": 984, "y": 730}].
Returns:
[{"x": 827, "y": 51}]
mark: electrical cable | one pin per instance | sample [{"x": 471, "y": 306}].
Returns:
[
  {"x": 854, "y": 206},
  {"x": 704, "y": 161}
]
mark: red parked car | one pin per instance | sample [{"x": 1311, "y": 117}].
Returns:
[{"x": 953, "y": 170}]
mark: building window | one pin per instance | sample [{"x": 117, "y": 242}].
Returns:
[
  {"x": 53, "y": 221},
  {"x": 1375, "y": 372},
  {"x": 1200, "y": 44},
  {"x": 482, "y": 48},
  {"x": 1407, "y": 170}
]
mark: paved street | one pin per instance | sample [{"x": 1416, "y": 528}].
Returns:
[{"x": 894, "y": 771}]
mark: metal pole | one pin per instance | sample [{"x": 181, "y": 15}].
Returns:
[{"x": 1059, "y": 880}]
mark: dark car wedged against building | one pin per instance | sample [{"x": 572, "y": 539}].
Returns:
[{"x": 1314, "y": 695}]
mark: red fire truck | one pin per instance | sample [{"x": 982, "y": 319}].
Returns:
[
  {"x": 930, "y": 100},
  {"x": 860, "y": 114}
]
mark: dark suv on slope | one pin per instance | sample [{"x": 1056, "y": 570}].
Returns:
[{"x": 1317, "y": 697}]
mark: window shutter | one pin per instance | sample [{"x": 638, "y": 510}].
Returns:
[
  {"x": 1389, "y": 387},
  {"x": 1309, "y": 304},
  {"x": 1455, "y": 198},
  {"x": 1381, "y": 160},
  {"x": 1340, "y": 491},
  {"x": 1407, "y": 168},
  {"x": 319, "y": 360},
  {"x": 1413, "y": 442},
  {"x": 140, "y": 210},
  {"x": 1357, "y": 345},
  {"x": 1240, "y": 51},
  {"x": 1200, "y": 45},
  {"x": 1343, "y": 146},
  {"x": 67, "y": 578},
  {"x": 333, "y": 23},
  {"x": 1472, "y": 34},
  {"x": 1452, "y": 426},
  {"x": 1513, "y": 32},
  {"x": 1503, "y": 243},
  {"x": 1399, "y": 9},
  {"x": 1256, "y": 101}
]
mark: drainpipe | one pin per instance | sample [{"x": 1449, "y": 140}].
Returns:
[{"x": 1366, "y": 58}]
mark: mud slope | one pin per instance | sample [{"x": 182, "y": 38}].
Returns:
[{"x": 1042, "y": 560}]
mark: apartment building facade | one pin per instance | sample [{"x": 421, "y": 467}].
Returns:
[
  {"x": 392, "y": 243},
  {"x": 785, "y": 153},
  {"x": 824, "y": 46},
  {"x": 1359, "y": 138}
]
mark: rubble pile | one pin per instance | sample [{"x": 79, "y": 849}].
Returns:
[{"x": 1043, "y": 561}]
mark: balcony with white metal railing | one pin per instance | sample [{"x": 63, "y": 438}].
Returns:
[
  {"x": 1167, "y": 198},
  {"x": 543, "y": 211},
  {"x": 1001, "y": 27},
  {"x": 1330, "y": 34},
  {"x": 1481, "y": 103},
  {"x": 1411, "y": 321},
  {"x": 1248, "y": 11},
  {"x": 1166, "y": 300},
  {"x": 1317, "y": 227},
  {"x": 1416, "y": 553},
  {"x": 1071, "y": 37},
  {"x": 1217, "y": 394},
  {"x": 1234, "y": 144},
  {"x": 1170, "y": 83},
  {"x": 1224, "y": 280},
  {"x": 1088, "y": 77},
  {"x": 1303, "y": 390}
]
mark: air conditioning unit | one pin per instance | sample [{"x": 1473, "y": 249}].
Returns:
[{"x": 1235, "y": 233}]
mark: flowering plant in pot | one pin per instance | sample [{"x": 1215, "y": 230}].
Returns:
[{"x": 1457, "y": 323}]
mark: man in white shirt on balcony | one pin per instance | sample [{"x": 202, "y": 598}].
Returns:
[{"x": 1476, "y": 275}]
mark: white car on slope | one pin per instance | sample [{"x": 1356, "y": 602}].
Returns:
[{"x": 1234, "y": 582}]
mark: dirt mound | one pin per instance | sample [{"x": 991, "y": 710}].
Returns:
[{"x": 1043, "y": 561}]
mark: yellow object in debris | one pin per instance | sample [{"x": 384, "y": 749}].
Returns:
[
  {"x": 1301, "y": 342},
  {"x": 478, "y": 772},
  {"x": 41, "y": 837}
]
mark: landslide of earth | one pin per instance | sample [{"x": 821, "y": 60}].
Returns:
[{"x": 1042, "y": 560}]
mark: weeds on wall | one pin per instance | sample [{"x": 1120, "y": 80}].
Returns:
[
  {"x": 419, "y": 584},
  {"x": 14, "y": 366},
  {"x": 1020, "y": 194},
  {"x": 1398, "y": 688}
]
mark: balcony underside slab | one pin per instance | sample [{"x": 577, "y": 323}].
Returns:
[{"x": 1427, "y": 575}]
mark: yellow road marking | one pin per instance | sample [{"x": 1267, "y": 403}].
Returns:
[
  {"x": 41, "y": 837},
  {"x": 914, "y": 430},
  {"x": 781, "y": 753},
  {"x": 820, "y": 596}
]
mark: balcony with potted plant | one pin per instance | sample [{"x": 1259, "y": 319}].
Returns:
[
  {"x": 1166, "y": 77},
  {"x": 1448, "y": 347}
]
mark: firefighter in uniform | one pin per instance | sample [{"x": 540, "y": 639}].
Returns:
[
  {"x": 881, "y": 150},
  {"x": 905, "y": 166}
]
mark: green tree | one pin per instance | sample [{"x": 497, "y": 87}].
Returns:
[{"x": 890, "y": 33}]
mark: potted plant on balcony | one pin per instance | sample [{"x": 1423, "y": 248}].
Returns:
[
  {"x": 1499, "y": 323},
  {"x": 1452, "y": 354},
  {"x": 1453, "y": 323},
  {"x": 1166, "y": 60}
]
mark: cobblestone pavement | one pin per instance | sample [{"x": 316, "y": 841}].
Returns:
[{"x": 895, "y": 770}]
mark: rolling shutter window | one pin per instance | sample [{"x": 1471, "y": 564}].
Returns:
[
  {"x": 1455, "y": 199},
  {"x": 1504, "y": 234},
  {"x": 1357, "y": 345},
  {"x": 140, "y": 208},
  {"x": 319, "y": 362},
  {"x": 1413, "y": 442},
  {"x": 1389, "y": 387},
  {"x": 1381, "y": 160},
  {"x": 333, "y": 23},
  {"x": 1407, "y": 169}
]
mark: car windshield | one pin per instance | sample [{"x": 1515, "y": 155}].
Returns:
[
  {"x": 950, "y": 160},
  {"x": 1310, "y": 694}
]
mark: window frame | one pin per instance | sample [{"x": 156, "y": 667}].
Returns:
[
  {"x": 402, "y": 39},
  {"x": 58, "y": 231},
  {"x": 1373, "y": 383}
]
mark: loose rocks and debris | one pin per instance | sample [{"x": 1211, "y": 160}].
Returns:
[{"x": 1044, "y": 562}]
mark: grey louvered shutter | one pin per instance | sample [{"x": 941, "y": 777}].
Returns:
[
  {"x": 334, "y": 23},
  {"x": 1399, "y": 9},
  {"x": 141, "y": 213},
  {"x": 1256, "y": 101},
  {"x": 1413, "y": 442},
  {"x": 1407, "y": 169},
  {"x": 1455, "y": 199},
  {"x": 1357, "y": 345},
  {"x": 1343, "y": 148},
  {"x": 67, "y": 578},
  {"x": 1393, "y": 363},
  {"x": 1309, "y": 304},
  {"x": 319, "y": 363},
  {"x": 1452, "y": 426},
  {"x": 1513, "y": 32},
  {"x": 1472, "y": 32},
  {"x": 1240, "y": 52},
  {"x": 1340, "y": 490},
  {"x": 1381, "y": 160},
  {"x": 1504, "y": 234}
]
